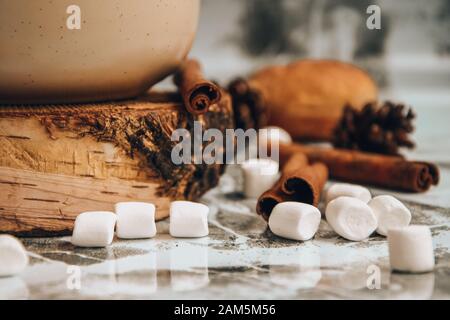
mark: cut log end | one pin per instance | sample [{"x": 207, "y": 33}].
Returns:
[{"x": 58, "y": 161}]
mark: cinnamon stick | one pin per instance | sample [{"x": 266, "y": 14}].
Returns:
[
  {"x": 299, "y": 182},
  {"x": 269, "y": 199},
  {"x": 197, "y": 92},
  {"x": 304, "y": 181},
  {"x": 390, "y": 172}
]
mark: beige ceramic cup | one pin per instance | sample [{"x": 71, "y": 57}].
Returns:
[{"x": 123, "y": 48}]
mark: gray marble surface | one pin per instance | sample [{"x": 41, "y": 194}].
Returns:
[{"x": 242, "y": 259}]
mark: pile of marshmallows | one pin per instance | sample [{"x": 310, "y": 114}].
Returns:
[
  {"x": 354, "y": 215},
  {"x": 132, "y": 220},
  {"x": 136, "y": 220},
  {"x": 350, "y": 211}
]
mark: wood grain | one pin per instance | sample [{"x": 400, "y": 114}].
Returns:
[{"x": 43, "y": 203}]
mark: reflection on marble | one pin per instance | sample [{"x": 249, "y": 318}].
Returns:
[
  {"x": 139, "y": 277},
  {"x": 411, "y": 287},
  {"x": 189, "y": 268},
  {"x": 13, "y": 288},
  {"x": 304, "y": 273}
]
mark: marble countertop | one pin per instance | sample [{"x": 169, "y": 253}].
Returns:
[{"x": 242, "y": 259}]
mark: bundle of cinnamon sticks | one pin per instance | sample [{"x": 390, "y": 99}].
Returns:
[{"x": 389, "y": 172}]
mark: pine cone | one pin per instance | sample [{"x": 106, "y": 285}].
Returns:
[
  {"x": 382, "y": 129},
  {"x": 249, "y": 110}
]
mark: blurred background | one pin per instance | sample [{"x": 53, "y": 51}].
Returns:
[
  {"x": 237, "y": 36},
  {"x": 409, "y": 56}
]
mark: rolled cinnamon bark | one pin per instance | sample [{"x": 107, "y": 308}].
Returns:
[
  {"x": 299, "y": 182},
  {"x": 304, "y": 183},
  {"x": 390, "y": 172},
  {"x": 269, "y": 199},
  {"x": 197, "y": 92}
]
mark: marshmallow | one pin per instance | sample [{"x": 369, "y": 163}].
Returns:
[
  {"x": 94, "y": 229},
  {"x": 135, "y": 220},
  {"x": 13, "y": 256},
  {"x": 351, "y": 218},
  {"x": 348, "y": 190},
  {"x": 411, "y": 249},
  {"x": 390, "y": 213},
  {"x": 268, "y": 134},
  {"x": 259, "y": 176},
  {"x": 188, "y": 219},
  {"x": 295, "y": 220}
]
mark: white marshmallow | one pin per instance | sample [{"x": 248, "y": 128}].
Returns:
[
  {"x": 348, "y": 190},
  {"x": 269, "y": 134},
  {"x": 295, "y": 220},
  {"x": 390, "y": 213},
  {"x": 259, "y": 176},
  {"x": 13, "y": 256},
  {"x": 351, "y": 218},
  {"x": 188, "y": 219},
  {"x": 94, "y": 229},
  {"x": 135, "y": 220},
  {"x": 411, "y": 249}
]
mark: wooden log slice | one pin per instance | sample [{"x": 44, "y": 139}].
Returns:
[{"x": 59, "y": 161}]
